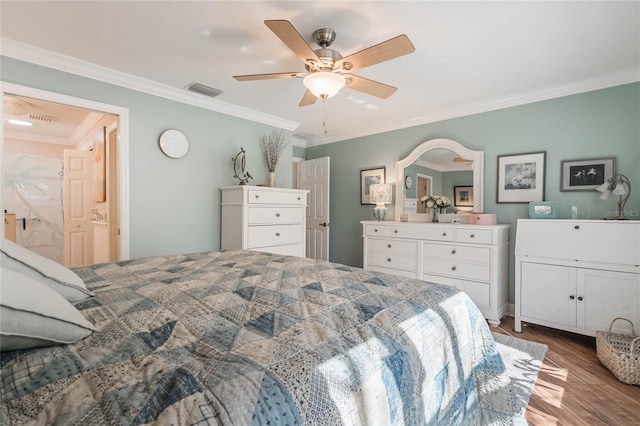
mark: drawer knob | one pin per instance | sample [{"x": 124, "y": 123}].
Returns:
[
  {"x": 572, "y": 297},
  {"x": 453, "y": 268},
  {"x": 576, "y": 227},
  {"x": 444, "y": 234},
  {"x": 388, "y": 259},
  {"x": 473, "y": 235},
  {"x": 395, "y": 231},
  {"x": 580, "y": 298},
  {"x": 277, "y": 214},
  {"x": 298, "y": 198},
  {"x": 388, "y": 245},
  {"x": 257, "y": 196},
  {"x": 277, "y": 234},
  {"x": 453, "y": 251},
  {"x": 375, "y": 230}
]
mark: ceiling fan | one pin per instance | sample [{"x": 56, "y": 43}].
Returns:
[{"x": 327, "y": 71}]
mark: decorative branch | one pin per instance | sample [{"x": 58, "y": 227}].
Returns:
[{"x": 272, "y": 147}]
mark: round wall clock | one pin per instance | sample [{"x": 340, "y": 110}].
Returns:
[
  {"x": 174, "y": 143},
  {"x": 408, "y": 182}
]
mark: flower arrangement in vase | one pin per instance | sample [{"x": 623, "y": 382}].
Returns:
[
  {"x": 272, "y": 146},
  {"x": 438, "y": 203}
]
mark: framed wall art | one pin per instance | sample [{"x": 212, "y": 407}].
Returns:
[
  {"x": 521, "y": 177},
  {"x": 369, "y": 177},
  {"x": 585, "y": 175},
  {"x": 463, "y": 196}
]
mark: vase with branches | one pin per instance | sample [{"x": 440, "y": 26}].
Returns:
[{"x": 273, "y": 146}]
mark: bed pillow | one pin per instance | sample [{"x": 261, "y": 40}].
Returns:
[
  {"x": 51, "y": 273},
  {"x": 34, "y": 315}
]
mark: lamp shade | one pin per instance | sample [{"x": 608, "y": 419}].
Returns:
[
  {"x": 619, "y": 189},
  {"x": 604, "y": 187},
  {"x": 381, "y": 193},
  {"x": 324, "y": 84}
]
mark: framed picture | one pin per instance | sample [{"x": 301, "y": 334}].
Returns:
[
  {"x": 463, "y": 196},
  {"x": 585, "y": 175},
  {"x": 521, "y": 177},
  {"x": 369, "y": 177},
  {"x": 543, "y": 210}
]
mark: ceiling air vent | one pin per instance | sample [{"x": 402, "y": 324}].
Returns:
[
  {"x": 203, "y": 90},
  {"x": 40, "y": 117}
]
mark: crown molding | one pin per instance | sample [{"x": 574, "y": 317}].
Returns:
[
  {"x": 38, "y": 56},
  {"x": 299, "y": 142},
  {"x": 618, "y": 78}
]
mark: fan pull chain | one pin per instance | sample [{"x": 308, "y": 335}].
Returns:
[{"x": 324, "y": 111}]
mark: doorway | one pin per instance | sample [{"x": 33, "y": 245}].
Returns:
[
  {"x": 34, "y": 173},
  {"x": 424, "y": 187}
]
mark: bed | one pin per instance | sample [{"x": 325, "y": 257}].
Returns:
[{"x": 243, "y": 337}]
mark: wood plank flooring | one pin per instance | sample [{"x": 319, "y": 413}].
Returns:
[{"x": 573, "y": 387}]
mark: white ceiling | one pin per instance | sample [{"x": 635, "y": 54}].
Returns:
[{"x": 470, "y": 56}]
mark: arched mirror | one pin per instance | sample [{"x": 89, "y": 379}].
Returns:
[{"x": 435, "y": 159}]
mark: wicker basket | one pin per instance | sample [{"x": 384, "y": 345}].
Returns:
[{"x": 620, "y": 353}]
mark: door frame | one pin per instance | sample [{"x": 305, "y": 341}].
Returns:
[{"x": 122, "y": 145}]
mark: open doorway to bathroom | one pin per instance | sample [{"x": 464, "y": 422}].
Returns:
[{"x": 61, "y": 187}]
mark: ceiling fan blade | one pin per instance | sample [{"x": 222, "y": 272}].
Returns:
[
  {"x": 250, "y": 77},
  {"x": 292, "y": 38},
  {"x": 460, "y": 160},
  {"x": 387, "y": 50},
  {"x": 308, "y": 99},
  {"x": 370, "y": 87}
]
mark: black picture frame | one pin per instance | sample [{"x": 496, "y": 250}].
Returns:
[
  {"x": 463, "y": 196},
  {"x": 369, "y": 177},
  {"x": 586, "y": 175}
]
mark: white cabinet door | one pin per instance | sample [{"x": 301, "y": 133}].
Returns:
[
  {"x": 605, "y": 295},
  {"x": 549, "y": 293}
]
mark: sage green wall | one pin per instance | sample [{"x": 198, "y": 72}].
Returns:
[
  {"x": 174, "y": 204},
  {"x": 596, "y": 124},
  {"x": 413, "y": 170}
]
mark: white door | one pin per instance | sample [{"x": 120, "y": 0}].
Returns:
[
  {"x": 313, "y": 175},
  {"x": 78, "y": 247}
]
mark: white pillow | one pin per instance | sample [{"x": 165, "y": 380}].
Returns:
[
  {"x": 34, "y": 315},
  {"x": 51, "y": 273}
]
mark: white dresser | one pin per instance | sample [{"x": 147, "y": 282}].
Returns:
[
  {"x": 264, "y": 218},
  {"x": 577, "y": 275},
  {"x": 473, "y": 258}
]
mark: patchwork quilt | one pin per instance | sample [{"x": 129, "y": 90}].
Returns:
[{"x": 249, "y": 338}]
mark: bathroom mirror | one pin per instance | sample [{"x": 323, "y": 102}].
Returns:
[{"x": 441, "y": 155}]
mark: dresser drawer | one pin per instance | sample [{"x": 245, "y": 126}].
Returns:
[
  {"x": 408, "y": 274},
  {"x": 257, "y": 196},
  {"x": 376, "y": 230},
  {"x": 392, "y": 246},
  {"x": 478, "y": 292},
  {"x": 275, "y": 215},
  {"x": 403, "y": 261},
  {"x": 457, "y": 253},
  {"x": 435, "y": 232},
  {"x": 274, "y": 235},
  {"x": 456, "y": 269},
  {"x": 475, "y": 236}
]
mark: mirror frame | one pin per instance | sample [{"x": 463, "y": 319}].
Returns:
[{"x": 441, "y": 143}]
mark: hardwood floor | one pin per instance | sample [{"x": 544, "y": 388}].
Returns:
[{"x": 573, "y": 387}]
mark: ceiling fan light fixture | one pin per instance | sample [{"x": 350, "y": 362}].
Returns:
[{"x": 324, "y": 84}]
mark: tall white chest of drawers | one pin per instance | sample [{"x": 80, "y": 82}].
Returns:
[
  {"x": 473, "y": 258},
  {"x": 264, "y": 219},
  {"x": 577, "y": 275}
]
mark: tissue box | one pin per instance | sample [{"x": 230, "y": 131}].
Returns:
[{"x": 483, "y": 219}]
